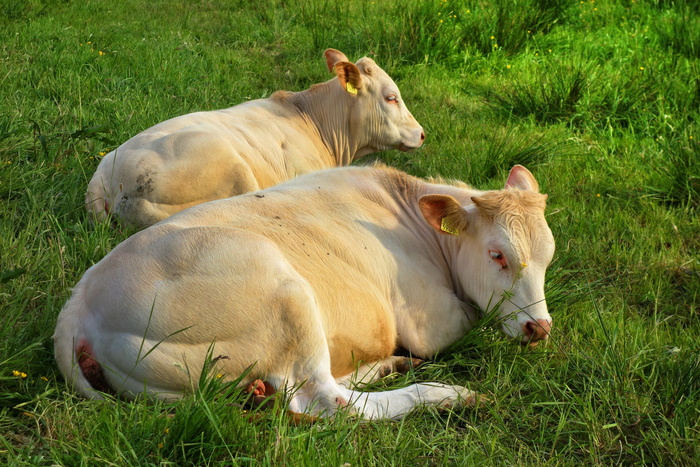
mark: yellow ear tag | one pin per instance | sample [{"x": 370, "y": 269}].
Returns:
[
  {"x": 446, "y": 227},
  {"x": 350, "y": 88}
]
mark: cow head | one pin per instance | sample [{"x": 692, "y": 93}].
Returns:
[
  {"x": 502, "y": 247},
  {"x": 378, "y": 116}
]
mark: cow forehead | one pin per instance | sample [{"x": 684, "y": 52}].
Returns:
[
  {"x": 370, "y": 68},
  {"x": 521, "y": 216}
]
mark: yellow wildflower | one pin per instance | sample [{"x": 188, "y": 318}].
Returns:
[{"x": 19, "y": 374}]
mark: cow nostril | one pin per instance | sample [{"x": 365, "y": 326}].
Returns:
[
  {"x": 422, "y": 136},
  {"x": 537, "y": 330},
  {"x": 530, "y": 328}
]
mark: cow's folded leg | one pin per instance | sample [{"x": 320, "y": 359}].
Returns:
[
  {"x": 322, "y": 395},
  {"x": 399, "y": 402}
]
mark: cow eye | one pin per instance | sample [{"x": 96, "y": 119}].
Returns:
[
  {"x": 498, "y": 257},
  {"x": 392, "y": 98}
]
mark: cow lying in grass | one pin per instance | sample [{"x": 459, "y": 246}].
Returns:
[
  {"x": 307, "y": 280},
  {"x": 210, "y": 155}
]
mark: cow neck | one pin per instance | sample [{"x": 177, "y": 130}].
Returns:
[
  {"x": 447, "y": 245},
  {"x": 327, "y": 109},
  {"x": 440, "y": 249}
]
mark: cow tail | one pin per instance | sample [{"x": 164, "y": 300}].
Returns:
[
  {"x": 74, "y": 352},
  {"x": 96, "y": 199}
]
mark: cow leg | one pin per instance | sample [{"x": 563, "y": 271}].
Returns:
[
  {"x": 369, "y": 372},
  {"x": 399, "y": 402},
  {"x": 324, "y": 396},
  {"x": 309, "y": 383}
]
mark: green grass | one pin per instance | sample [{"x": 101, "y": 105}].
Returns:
[{"x": 601, "y": 100}]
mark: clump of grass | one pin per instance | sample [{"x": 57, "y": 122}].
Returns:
[
  {"x": 624, "y": 100},
  {"x": 19, "y": 9},
  {"x": 552, "y": 96},
  {"x": 680, "y": 32},
  {"x": 509, "y": 146},
  {"x": 508, "y": 25},
  {"x": 426, "y": 31},
  {"x": 678, "y": 172},
  {"x": 443, "y": 32}
]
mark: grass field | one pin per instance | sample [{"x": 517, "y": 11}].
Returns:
[{"x": 599, "y": 99}]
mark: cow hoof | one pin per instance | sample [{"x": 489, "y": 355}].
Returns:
[
  {"x": 257, "y": 388},
  {"x": 401, "y": 365},
  {"x": 260, "y": 393},
  {"x": 407, "y": 364},
  {"x": 469, "y": 398}
]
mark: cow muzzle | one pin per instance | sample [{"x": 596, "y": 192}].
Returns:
[
  {"x": 414, "y": 142},
  {"x": 535, "y": 331}
]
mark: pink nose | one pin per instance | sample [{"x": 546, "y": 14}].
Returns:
[{"x": 537, "y": 330}]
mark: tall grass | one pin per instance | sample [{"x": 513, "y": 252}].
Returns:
[{"x": 599, "y": 99}]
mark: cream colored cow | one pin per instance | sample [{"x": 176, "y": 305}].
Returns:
[
  {"x": 306, "y": 280},
  {"x": 210, "y": 155}
]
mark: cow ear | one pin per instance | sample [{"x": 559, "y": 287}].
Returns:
[
  {"x": 443, "y": 213},
  {"x": 522, "y": 179},
  {"x": 349, "y": 76},
  {"x": 334, "y": 56}
]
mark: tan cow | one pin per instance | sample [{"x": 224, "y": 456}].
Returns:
[
  {"x": 305, "y": 281},
  {"x": 210, "y": 155}
]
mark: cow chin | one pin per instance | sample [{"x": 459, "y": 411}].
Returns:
[
  {"x": 509, "y": 329},
  {"x": 412, "y": 140}
]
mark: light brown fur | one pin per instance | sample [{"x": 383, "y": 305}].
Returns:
[
  {"x": 302, "y": 283},
  {"x": 203, "y": 156}
]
